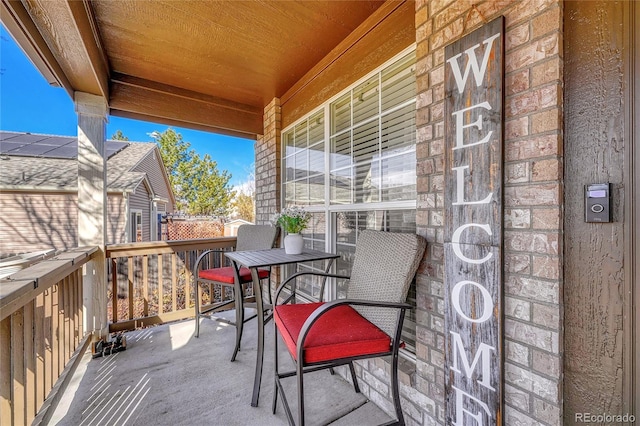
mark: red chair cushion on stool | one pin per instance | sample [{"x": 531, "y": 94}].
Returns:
[
  {"x": 339, "y": 333},
  {"x": 225, "y": 274}
]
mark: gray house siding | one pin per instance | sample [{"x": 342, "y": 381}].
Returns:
[{"x": 152, "y": 166}]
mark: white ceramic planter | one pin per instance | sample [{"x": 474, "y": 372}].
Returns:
[{"x": 293, "y": 244}]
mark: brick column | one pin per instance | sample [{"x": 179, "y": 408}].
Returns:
[
  {"x": 92, "y": 207},
  {"x": 268, "y": 155}
]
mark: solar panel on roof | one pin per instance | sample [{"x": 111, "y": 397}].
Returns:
[
  {"x": 29, "y": 138},
  {"x": 6, "y": 147},
  {"x": 7, "y": 135},
  {"x": 27, "y": 145},
  {"x": 113, "y": 147},
  {"x": 65, "y": 152},
  {"x": 46, "y": 146},
  {"x": 116, "y": 144},
  {"x": 32, "y": 150},
  {"x": 59, "y": 141}
]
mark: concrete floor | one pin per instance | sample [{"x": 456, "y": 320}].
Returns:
[{"x": 168, "y": 377}]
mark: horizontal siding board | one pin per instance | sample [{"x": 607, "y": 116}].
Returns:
[{"x": 37, "y": 221}]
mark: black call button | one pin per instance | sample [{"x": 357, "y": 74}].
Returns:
[{"x": 597, "y": 208}]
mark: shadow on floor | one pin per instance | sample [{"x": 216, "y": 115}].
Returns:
[{"x": 168, "y": 377}]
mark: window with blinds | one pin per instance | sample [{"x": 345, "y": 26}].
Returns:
[
  {"x": 352, "y": 163},
  {"x": 373, "y": 138},
  {"x": 304, "y": 158}
]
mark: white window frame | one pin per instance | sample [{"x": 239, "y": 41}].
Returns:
[{"x": 132, "y": 232}]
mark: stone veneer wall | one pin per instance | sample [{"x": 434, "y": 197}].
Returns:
[
  {"x": 268, "y": 155},
  {"x": 532, "y": 201}
]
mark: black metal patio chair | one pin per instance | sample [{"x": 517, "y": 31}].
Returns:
[
  {"x": 250, "y": 237},
  {"x": 366, "y": 324}
]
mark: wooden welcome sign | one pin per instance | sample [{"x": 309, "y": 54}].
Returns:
[{"x": 474, "y": 69}]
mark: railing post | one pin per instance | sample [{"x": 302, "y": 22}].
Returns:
[{"x": 92, "y": 206}]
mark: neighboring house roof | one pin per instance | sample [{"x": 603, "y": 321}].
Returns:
[
  {"x": 26, "y": 162},
  {"x": 120, "y": 176}
]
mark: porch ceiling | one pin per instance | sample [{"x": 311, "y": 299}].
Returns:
[{"x": 210, "y": 65}]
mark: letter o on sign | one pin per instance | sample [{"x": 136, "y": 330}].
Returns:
[{"x": 487, "y": 302}]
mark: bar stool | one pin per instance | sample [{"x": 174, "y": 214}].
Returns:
[{"x": 250, "y": 237}]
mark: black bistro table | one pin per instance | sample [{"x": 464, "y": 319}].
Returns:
[{"x": 260, "y": 259}]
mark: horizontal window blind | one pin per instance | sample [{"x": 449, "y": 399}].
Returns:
[
  {"x": 376, "y": 119},
  {"x": 304, "y": 162}
]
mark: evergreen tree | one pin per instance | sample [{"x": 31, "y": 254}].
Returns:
[
  {"x": 119, "y": 136},
  {"x": 200, "y": 188}
]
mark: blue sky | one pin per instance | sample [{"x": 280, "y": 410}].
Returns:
[{"x": 29, "y": 104}]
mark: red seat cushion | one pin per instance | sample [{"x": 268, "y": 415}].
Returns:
[
  {"x": 339, "y": 333},
  {"x": 225, "y": 274}
]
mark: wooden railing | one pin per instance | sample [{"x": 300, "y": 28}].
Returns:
[
  {"x": 152, "y": 283},
  {"x": 41, "y": 332},
  {"x": 41, "y": 313}
]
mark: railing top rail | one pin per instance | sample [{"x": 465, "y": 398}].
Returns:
[
  {"x": 26, "y": 284},
  {"x": 12, "y": 293},
  {"x": 163, "y": 247}
]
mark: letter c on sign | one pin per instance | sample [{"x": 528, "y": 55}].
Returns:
[
  {"x": 455, "y": 240},
  {"x": 487, "y": 302}
]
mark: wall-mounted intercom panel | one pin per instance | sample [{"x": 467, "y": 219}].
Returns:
[{"x": 597, "y": 202}]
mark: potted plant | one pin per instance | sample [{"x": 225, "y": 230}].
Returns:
[{"x": 293, "y": 220}]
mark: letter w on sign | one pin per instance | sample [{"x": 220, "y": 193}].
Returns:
[{"x": 472, "y": 63}]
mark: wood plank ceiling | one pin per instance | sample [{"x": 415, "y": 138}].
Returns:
[{"x": 209, "y": 65}]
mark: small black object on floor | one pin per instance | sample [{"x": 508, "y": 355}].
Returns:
[{"x": 102, "y": 348}]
